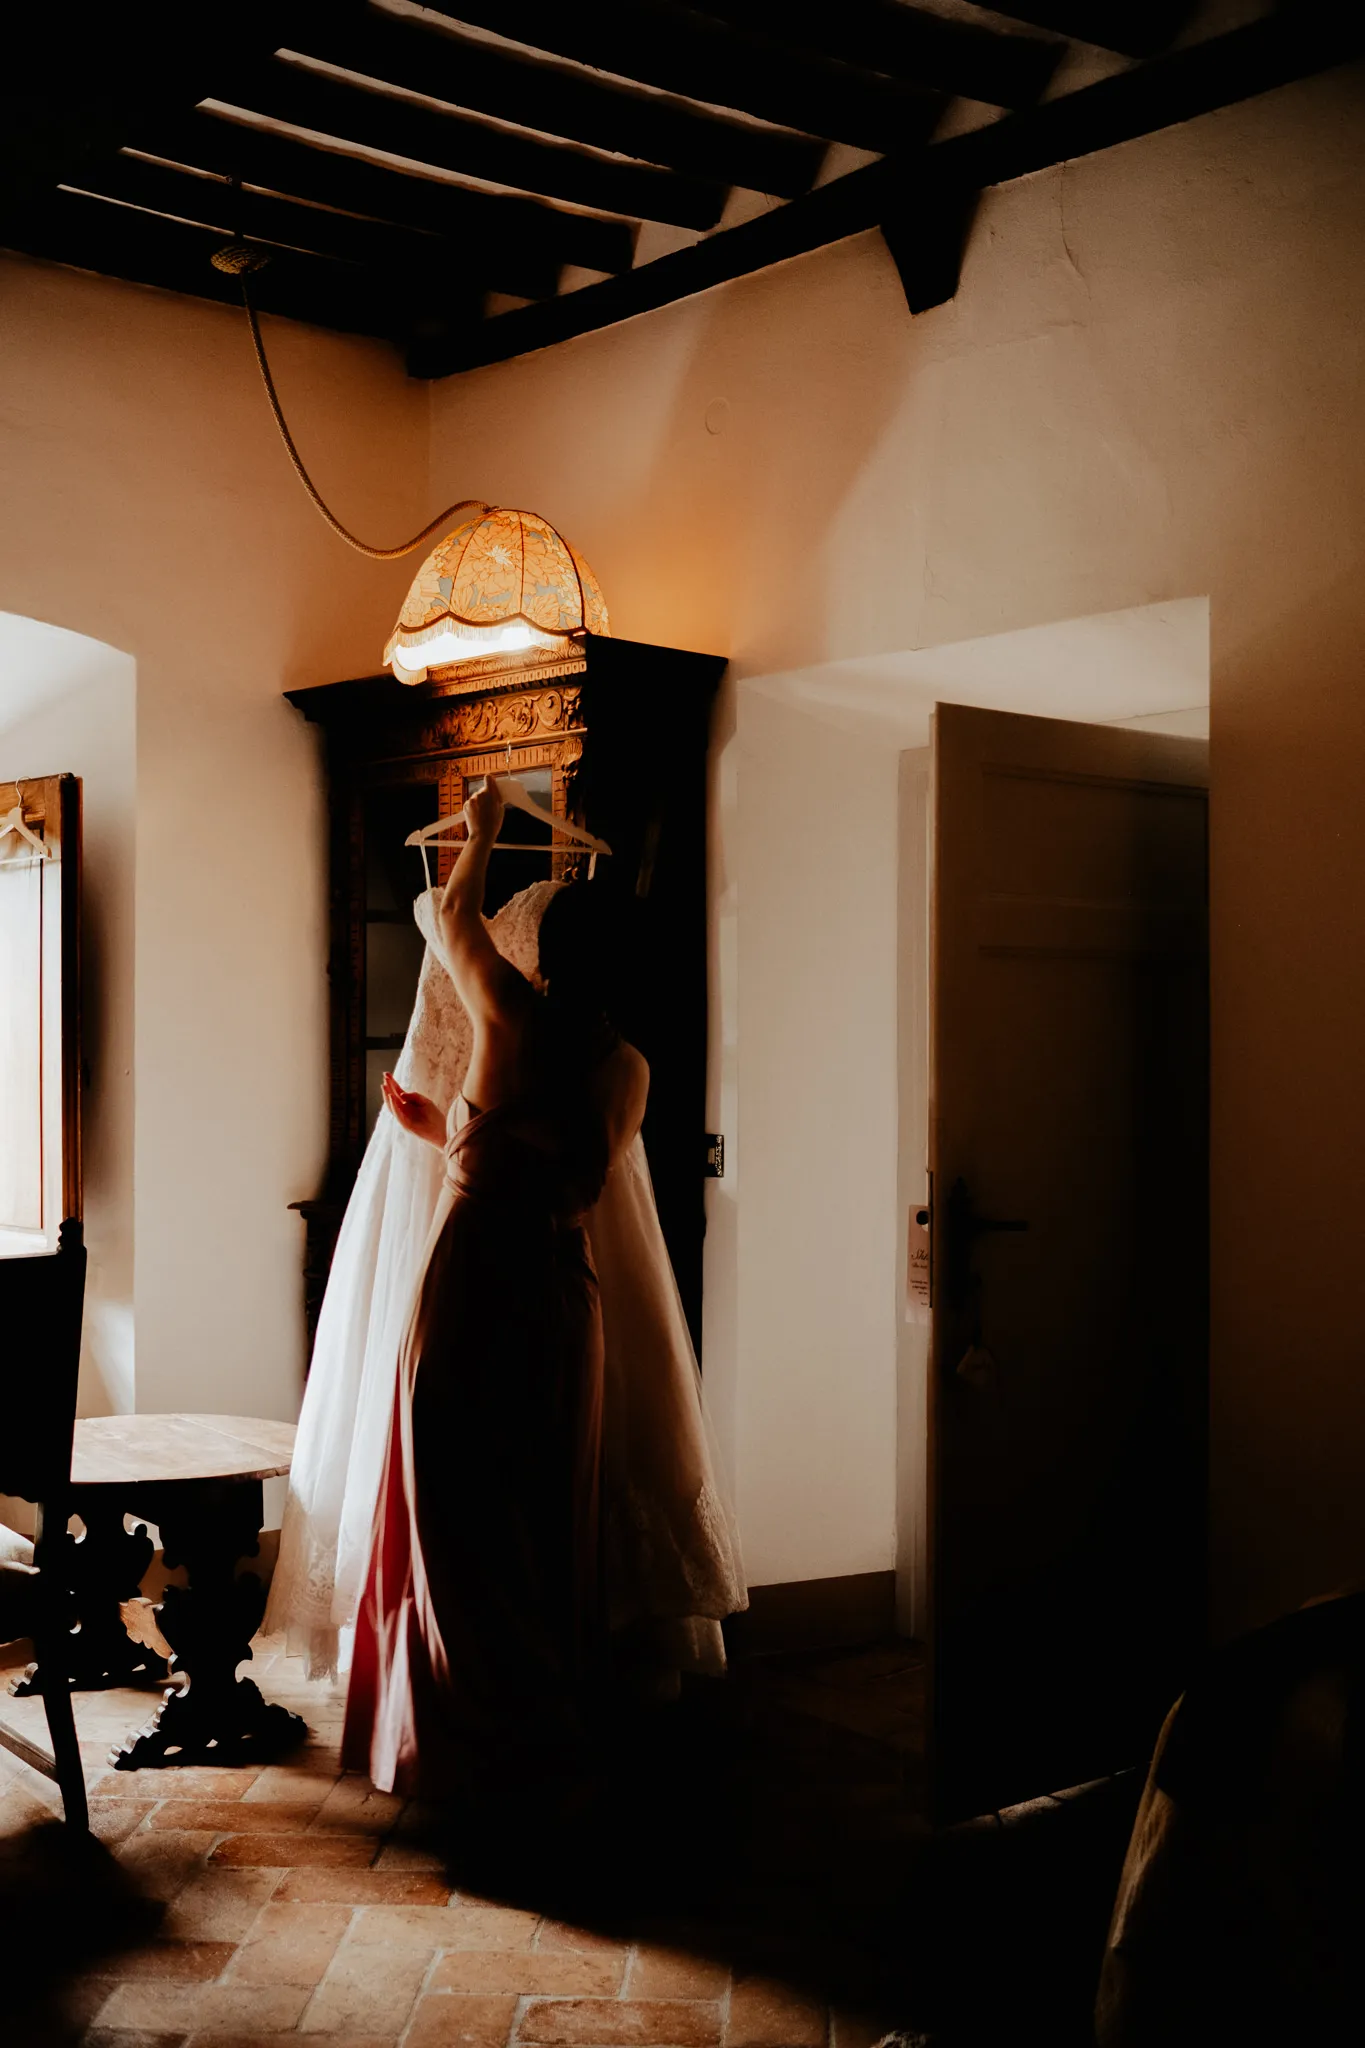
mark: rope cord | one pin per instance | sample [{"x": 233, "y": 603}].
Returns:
[{"x": 433, "y": 526}]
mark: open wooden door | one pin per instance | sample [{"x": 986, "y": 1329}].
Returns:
[
  {"x": 1069, "y": 1161},
  {"x": 40, "y": 1013}
]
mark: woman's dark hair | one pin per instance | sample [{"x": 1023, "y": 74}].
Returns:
[{"x": 580, "y": 950}]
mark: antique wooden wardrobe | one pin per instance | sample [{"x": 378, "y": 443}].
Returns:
[{"x": 615, "y": 736}]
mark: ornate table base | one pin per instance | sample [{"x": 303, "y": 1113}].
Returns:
[
  {"x": 199, "y": 1480},
  {"x": 216, "y": 1717},
  {"x": 107, "y": 1567}
]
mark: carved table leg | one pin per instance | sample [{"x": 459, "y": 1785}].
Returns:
[
  {"x": 217, "y": 1718},
  {"x": 106, "y": 1565}
]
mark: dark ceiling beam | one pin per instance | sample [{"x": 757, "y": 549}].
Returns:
[
  {"x": 530, "y": 240},
  {"x": 680, "y": 50},
  {"x": 928, "y": 241},
  {"x": 969, "y": 62},
  {"x": 1176, "y": 88},
  {"x": 1133, "y": 28},
  {"x": 84, "y": 74},
  {"x": 142, "y": 248},
  {"x": 485, "y": 79},
  {"x": 478, "y": 149},
  {"x": 846, "y": 206},
  {"x": 212, "y": 202},
  {"x": 1279, "y": 48}
]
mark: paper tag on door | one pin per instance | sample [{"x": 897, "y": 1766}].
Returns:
[{"x": 917, "y": 1266}]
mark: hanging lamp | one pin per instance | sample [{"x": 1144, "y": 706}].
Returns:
[{"x": 502, "y": 597}]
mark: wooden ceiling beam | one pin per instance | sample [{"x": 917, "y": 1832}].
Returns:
[
  {"x": 478, "y": 149},
  {"x": 680, "y": 50},
  {"x": 90, "y": 73},
  {"x": 143, "y": 248},
  {"x": 927, "y": 239},
  {"x": 213, "y": 202},
  {"x": 529, "y": 239},
  {"x": 908, "y": 43},
  {"x": 1189, "y": 82},
  {"x": 1132, "y": 28},
  {"x": 512, "y": 86},
  {"x": 846, "y": 206},
  {"x": 1310, "y": 37}
]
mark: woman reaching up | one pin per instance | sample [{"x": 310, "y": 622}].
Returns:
[{"x": 482, "y": 1630}]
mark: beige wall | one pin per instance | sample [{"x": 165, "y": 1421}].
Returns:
[
  {"x": 145, "y": 501},
  {"x": 807, "y": 1358},
  {"x": 1149, "y": 387}
]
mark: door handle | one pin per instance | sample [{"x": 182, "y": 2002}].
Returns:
[{"x": 962, "y": 1227}]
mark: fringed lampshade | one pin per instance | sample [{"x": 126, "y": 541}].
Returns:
[{"x": 501, "y": 596}]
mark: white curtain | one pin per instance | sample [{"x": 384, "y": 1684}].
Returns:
[{"x": 21, "y": 1043}]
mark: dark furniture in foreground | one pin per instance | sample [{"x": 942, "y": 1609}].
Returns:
[
  {"x": 198, "y": 1479},
  {"x": 41, "y": 1305}
]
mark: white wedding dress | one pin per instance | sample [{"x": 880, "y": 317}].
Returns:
[{"x": 671, "y": 1544}]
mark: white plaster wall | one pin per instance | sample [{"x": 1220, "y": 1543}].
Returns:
[
  {"x": 145, "y": 501},
  {"x": 1148, "y": 388},
  {"x": 812, "y": 1354},
  {"x": 77, "y": 715}
]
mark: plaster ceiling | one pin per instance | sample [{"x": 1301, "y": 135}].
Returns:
[{"x": 1148, "y": 665}]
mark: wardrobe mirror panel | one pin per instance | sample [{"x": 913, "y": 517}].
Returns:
[{"x": 394, "y": 877}]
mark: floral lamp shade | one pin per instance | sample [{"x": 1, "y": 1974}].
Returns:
[{"x": 503, "y": 591}]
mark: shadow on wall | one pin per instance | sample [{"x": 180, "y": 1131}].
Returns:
[
  {"x": 773, "y": 491},
  {"x": 68, "y": 706},
  {"x": 770, "y": 494}
]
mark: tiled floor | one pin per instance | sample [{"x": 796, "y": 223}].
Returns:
[
  {"x": 299, "y": 1901},
  {"x": 757, "y": 1875}
]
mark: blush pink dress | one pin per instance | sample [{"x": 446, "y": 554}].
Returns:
[{"x": 483, "y": 1619}]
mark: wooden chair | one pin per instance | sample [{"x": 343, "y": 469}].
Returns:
[{"x": 41, "y": 1304}]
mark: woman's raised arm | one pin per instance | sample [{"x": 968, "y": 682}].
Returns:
[{"x": 489, "y": 987}]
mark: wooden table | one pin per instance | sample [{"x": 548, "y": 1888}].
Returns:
[{"x": 199, "y": 1479}]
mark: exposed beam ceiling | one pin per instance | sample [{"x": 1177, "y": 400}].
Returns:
[
  {"x": 689, "y": 50},
  {"x": 413, "y": 172}
]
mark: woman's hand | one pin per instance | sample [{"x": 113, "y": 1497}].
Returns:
[
  {"x": 416, "y": 1113},
  {"x": 483, "y": 811}
]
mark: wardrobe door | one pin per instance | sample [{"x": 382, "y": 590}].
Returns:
[{"x": 641, "y": 786}]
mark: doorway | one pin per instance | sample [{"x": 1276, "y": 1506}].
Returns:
[{"x": 816, "y": 1375}]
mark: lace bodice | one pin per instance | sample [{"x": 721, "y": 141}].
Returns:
[{"x": 436, "y": 1053}]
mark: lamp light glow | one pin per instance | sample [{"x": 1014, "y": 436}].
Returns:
[{"x": 504, "y": 583}]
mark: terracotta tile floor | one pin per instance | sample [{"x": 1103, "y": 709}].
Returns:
[
  {"x": 757, "y": 1875},
  {"x": 293, "y": 1900}
]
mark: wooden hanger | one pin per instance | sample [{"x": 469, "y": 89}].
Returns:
[
  {"x": 13, "y": 821},
  {"x": 516, "y": 798}
]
